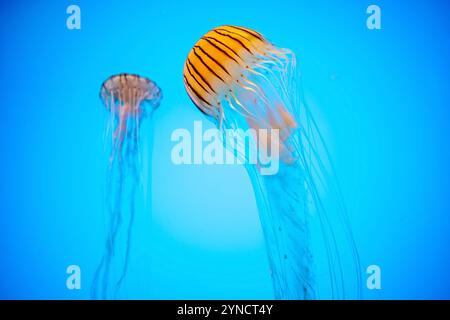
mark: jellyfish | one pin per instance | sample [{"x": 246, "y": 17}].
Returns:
[
  {"x": 241, "y": 81},
  {"x": 129, "y": 99}
]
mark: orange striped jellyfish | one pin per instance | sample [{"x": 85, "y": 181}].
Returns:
[
  {"x": 242, "y": 81},
  {"x": 129, "y": 99}
]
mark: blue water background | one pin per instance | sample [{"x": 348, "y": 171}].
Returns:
[{"x": 382, "y": 98}]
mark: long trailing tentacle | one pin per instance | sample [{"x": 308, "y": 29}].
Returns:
[
  {"x": 271, "y": 80},
  {"x": 322, "y": 170}
]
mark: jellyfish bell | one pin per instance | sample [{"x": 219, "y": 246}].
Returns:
[{"x": 130, "y": 90}]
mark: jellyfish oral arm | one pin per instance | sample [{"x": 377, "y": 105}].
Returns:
[
  {"x": 282, "y": 204},
  {"x": 124, "y": 113}
]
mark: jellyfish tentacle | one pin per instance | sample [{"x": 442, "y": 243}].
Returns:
[{"x": 343, "y": 212}]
